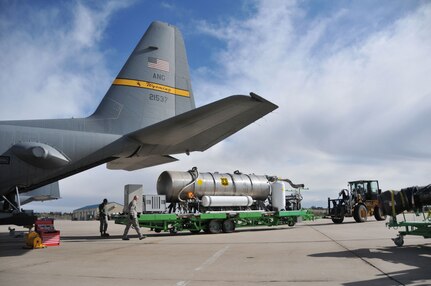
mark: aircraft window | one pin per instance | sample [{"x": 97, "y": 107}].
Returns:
[{"x": 4, "y": 160}]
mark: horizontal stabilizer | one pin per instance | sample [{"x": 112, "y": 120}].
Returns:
[
  {"x": 139, "y": 162},
  {"x": 45, "y": 193},
  {"x": 201, "y": 128}
]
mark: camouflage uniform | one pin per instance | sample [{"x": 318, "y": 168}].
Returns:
[
  {"x": 132, "y": 221},
  {"x": 103, "y": 218}
]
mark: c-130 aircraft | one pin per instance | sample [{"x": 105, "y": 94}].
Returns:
[{"x": 147, "y": 115}]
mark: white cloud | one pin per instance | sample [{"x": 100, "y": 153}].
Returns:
[
  {"x": 348, "y": 109},
  {"x": 52, "y": 64}
]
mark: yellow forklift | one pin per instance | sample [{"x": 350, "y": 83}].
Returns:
[{"x": 360, "y": 200}]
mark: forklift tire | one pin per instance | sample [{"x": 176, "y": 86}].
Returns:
[
  {"x": 378, "y": 214},
  {"x": 360, "y": 213},
  {"x": 337, "y": 220}
]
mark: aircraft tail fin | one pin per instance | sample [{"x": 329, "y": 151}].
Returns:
[{"x": 152, "y": 86}]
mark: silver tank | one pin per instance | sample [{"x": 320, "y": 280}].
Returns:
[{"x": 175, "y": 184}]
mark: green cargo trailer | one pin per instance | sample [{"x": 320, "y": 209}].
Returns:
[
  {"x": 216, "y": 222},
  {"x": 216, "y": 202},
  {"x": 420, "y": 228}
]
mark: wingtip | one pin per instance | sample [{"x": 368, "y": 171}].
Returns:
[
  {"x": 261, "y": 99},
  {"x": 254, "y": 95}
]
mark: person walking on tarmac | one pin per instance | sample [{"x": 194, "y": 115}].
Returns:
[
  {"x": 132, "y": 220},
  {"x": 103, "y": 218}
]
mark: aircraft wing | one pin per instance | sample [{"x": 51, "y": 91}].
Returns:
[{"x": 201, "y": 128}]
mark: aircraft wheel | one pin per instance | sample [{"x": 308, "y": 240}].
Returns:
[
  {"x": 378, "y": 214},
  {"x": 360, "y": 213}
]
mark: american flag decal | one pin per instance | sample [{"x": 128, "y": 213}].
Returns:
[{"x": 159, "y": 64}]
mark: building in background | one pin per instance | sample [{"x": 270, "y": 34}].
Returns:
[{"x": 91, "y": 212}]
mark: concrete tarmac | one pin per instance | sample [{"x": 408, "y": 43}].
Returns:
[{"x": 310, "y": 253}]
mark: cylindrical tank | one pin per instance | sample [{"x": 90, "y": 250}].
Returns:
[
  {"x": 227, "y": 201},
  {"x": 173, "y": 184},
  {"x": 278, "y": 196},
  {"x": 395, "y": 202}
]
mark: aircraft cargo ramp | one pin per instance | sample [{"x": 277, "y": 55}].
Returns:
[{"x": 311, "y": 253}]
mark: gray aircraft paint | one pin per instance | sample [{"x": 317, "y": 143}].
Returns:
[{"x": 147, "y": 114}]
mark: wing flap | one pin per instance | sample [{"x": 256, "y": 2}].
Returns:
[{"x": 139, "y": 162}]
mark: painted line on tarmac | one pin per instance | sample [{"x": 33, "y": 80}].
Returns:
[
  {"x": 213, "y": 258},
  {"x": 206, "y": 263}
]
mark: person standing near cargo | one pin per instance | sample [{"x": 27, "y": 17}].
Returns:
[
  {"x": 103, "y": 218},
  {"x": 132, "y": 220}
]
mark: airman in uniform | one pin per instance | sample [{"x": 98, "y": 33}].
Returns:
[
  {"x": 132, "y": 220},
  {"x": 103, "y": 218}
]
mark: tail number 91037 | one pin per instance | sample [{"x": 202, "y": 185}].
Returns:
[{"x": 159, "y": 98}]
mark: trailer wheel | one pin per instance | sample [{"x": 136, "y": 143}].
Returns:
[
  {"x": 399, "y": 241},
  {"x": 378, "y": 214},
  {"x": 158, "y": 230},
  {"x": 291, "y": 223},
  {"x": 228, "y": 226},
  {"x": 214, "y": 226},
  {"x": 360, "y": 213},
  {"x": 337, "y": 220},
  {"x": 195, "y": 231}
]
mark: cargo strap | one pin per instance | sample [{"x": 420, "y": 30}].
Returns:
[
  {"x": 402, "y": 198},
  {"x": 393, "y": 203}
]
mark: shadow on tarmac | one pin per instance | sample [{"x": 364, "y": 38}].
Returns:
[
  {"x": 331, "y": 223},
  {"x": 417, "y": 258},
  {"x": 12, "y": 246},
  {"x": 15, "y": 246},
  {"x": 96, "y": 238}
]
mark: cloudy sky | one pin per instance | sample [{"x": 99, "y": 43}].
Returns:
[{"x": 352, "y": 80}]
